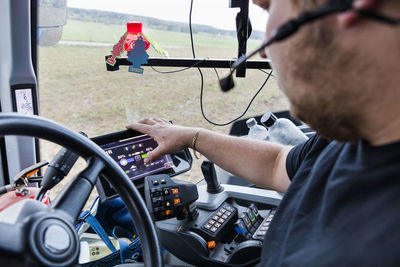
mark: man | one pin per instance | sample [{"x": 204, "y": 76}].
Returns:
[{"x": 342, "y": 201}]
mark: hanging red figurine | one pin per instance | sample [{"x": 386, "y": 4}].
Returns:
[{"x": 127, "y": 43}]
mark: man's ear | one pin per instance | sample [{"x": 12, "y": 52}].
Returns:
[{"x": 347, "y": 19}]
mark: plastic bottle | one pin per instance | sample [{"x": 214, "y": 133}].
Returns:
[
  {"x": 283, "y": 131},
  {"x": 256, "y": 131}
]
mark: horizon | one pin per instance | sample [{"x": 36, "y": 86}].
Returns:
[{"x": 220, "y": 16}]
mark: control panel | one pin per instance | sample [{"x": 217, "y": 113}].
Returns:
[
  {"x": 264, "y": 226},
  {"x": 217, "y": 223},
  {"x": 231, "y": 232},
  {"x": 250, "y": 225},
  {"x": 166, "y": 198}
]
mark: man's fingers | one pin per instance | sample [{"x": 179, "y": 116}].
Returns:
[
  {"x": 147, "y": 121},
  {"x": 153, "y": 155},
  {"x": 158, "y": 120},
  {"x": 140, "y": 127},
  {"x": 166, "y": 121}
]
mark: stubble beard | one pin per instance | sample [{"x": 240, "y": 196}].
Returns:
[{"x": 321, "y": 88}]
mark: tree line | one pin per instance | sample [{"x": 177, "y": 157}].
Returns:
[{"x": 107, "y": 17}]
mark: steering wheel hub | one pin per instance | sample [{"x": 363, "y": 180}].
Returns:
[
  {"x": 53, "y": 240},
  {"x": 56, "y": 239}
]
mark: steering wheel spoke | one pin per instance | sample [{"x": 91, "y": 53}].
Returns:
[{"x": 72, "y": 199}]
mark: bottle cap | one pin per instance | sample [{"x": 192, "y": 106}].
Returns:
[
  {"x": 251, "y": 122},
  {"x": 268, "y": 119},
  {"x": 134, "y": 27}
]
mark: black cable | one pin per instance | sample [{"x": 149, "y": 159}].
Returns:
[
  {"x": 216, "y": 72},
  {"x": 42, "y": 192},
  {"x": 239, "y": 117},
  {"x": 263, "y": 71},
  {"x": 202, "y": 81},
  {"x": 191, "y": 33},
  {"x": 174, "y": 71}
]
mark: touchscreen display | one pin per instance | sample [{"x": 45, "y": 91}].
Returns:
[{"x": 130, "y": 154}]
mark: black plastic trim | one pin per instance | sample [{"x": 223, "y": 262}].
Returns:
[{"x": 189, "y": 62}]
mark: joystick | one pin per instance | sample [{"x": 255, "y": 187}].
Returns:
[{"x": 208, "y": 170}]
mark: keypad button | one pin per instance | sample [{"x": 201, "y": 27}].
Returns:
[
  {"x": 163, "y": 181},
  {"x": 155, "y": 182},
  {"x": 155, "y": 199},
  {"x": 217, "y": 225},
  {"x": 175, "y": 191},
  {"x": 158, "y": 209},
  {"x": 224, "y": 217},
  {"x": 215, "y": 218},
  {"x": 168, "y": 212},
  {"x": 228, "y": 213},
  {"x": 167, "y": 204},
  {"x": 261, "y": 233},
  {"x": 155, "y": 192},
  {"x": 211, "y": 222},
  {"x": 254, "y": 208},
  {"x": 223, "y": 210},
  {"x": 220, "y": 220},
  {"x": 213, "y": 229},
  {"x": 207, "y": 226},
  {"x": 177, "y": 201},
  {"x": 165, "y": 192},
  {"x": 219, "y": 214}
]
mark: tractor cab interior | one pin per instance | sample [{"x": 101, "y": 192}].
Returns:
[{"x": 62, "y": 73}]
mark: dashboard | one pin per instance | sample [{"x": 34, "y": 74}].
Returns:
[{"x": 207, "y": 227}]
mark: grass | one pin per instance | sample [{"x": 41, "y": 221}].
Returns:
[
  {"x": 98, "y": 32},
  {"x": 76, "y": 90}
]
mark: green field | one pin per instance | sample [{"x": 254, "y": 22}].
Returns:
[
  {"x": 98, "y": 32},
  {"x": 76, "y": 90}
]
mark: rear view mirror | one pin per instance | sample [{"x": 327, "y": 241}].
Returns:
[{"x": 52, "y": 16}]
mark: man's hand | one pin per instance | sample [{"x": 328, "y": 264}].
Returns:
[{"x": 170, "y": 138}]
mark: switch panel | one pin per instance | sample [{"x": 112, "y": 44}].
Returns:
[
  {"x": 218, "y": 222},
  {"x": 167, "y": 198}
]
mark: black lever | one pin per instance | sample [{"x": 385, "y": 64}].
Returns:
[
  {"x": 208, "y": 170},
  {"x": 58, "y": 168}
]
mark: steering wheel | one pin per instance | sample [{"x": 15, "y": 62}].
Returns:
[{"x": 42, "y": 235}]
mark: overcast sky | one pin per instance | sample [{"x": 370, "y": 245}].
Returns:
[{"x": 210, "y": 12}]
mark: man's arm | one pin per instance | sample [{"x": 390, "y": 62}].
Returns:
[{"x": 261, "y": 163}]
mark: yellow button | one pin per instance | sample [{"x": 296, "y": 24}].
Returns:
[
  {"x": 177, "y": 201},
  {"x": 168, "y": 212}
]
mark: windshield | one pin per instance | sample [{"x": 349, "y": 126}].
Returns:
[{"x": 76, "y": 90}]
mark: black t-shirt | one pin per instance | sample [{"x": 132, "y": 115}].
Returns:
[{"x": 341, "y": 209}]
